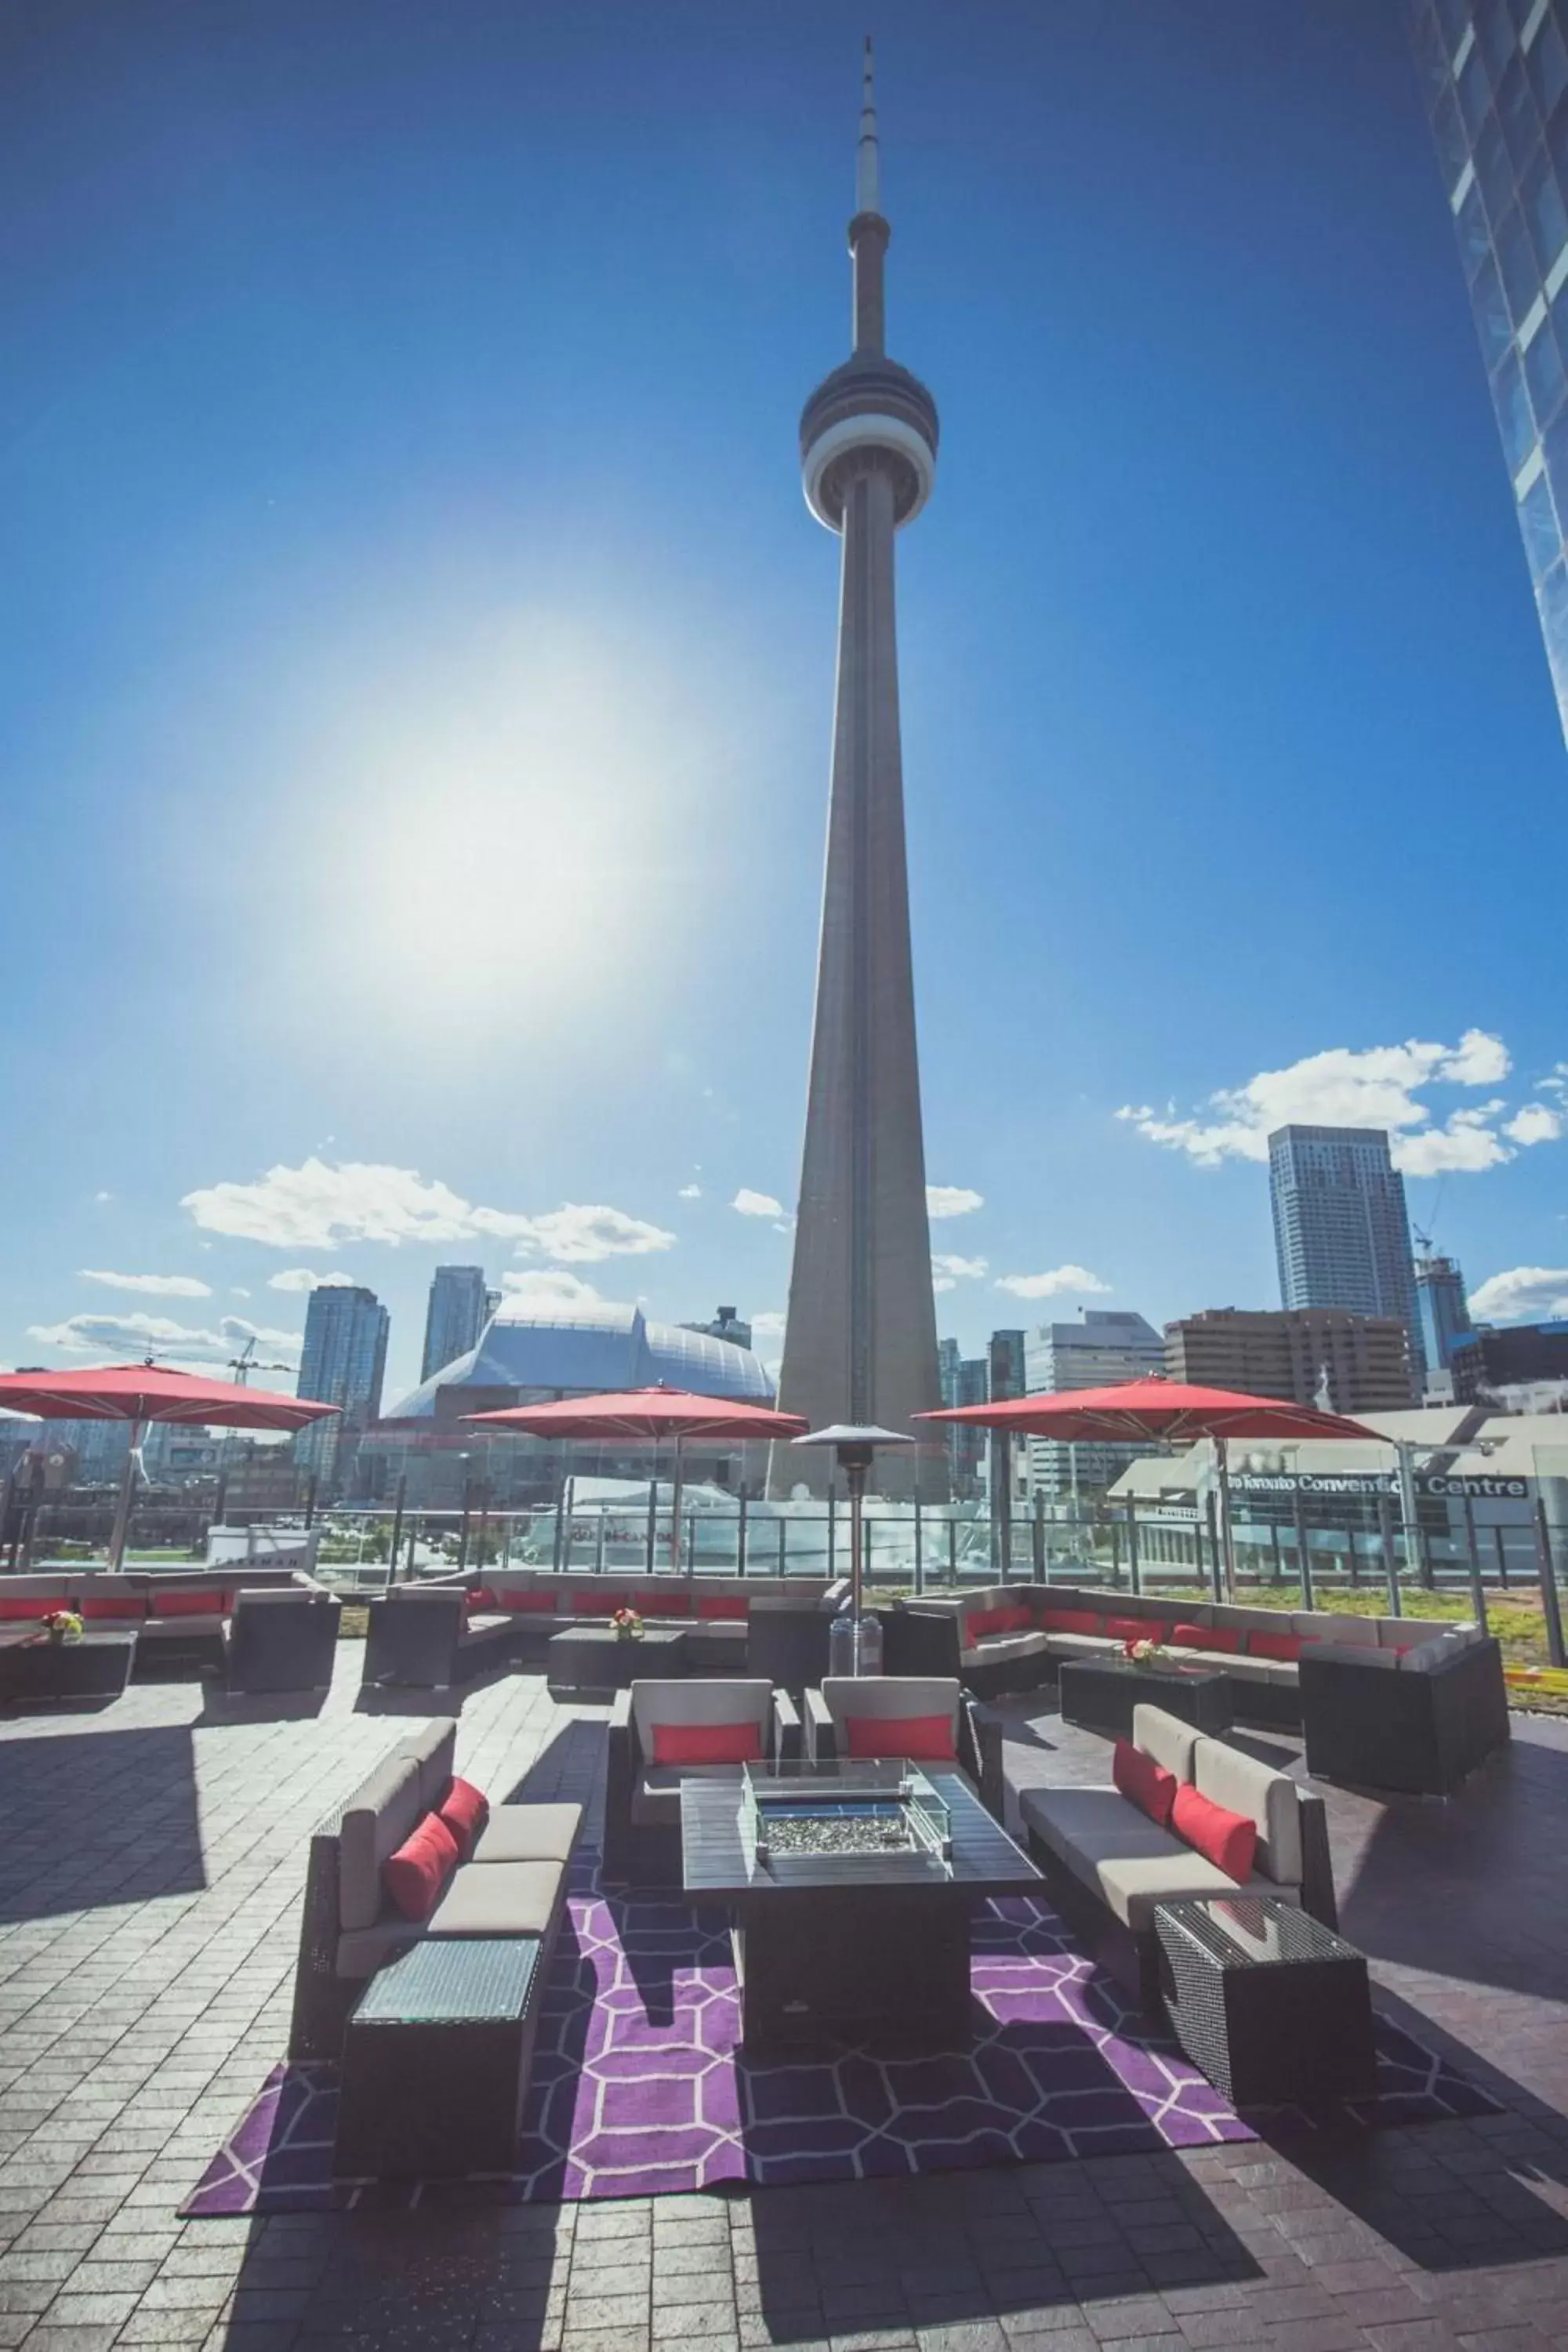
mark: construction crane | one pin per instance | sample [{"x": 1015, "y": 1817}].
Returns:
[{"x": 244, "y": 1363}]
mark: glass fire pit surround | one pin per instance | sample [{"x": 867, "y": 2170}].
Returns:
[{"x": 884, "y": 1816}]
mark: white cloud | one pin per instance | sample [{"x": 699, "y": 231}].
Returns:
[
  {"x": 952, "y": 1201},
  {"x": 152, "y": 1285},
  {"x": 1054, "y": 1285},
  {"x": 941, "y": 1282},
  {"x": 757, "y": 1204},
  {"x": 1377, "y": 1087},
  {"x": 545, "y": 1287},
  {"x": 1534, "y": 1124},
  {"x": 960, "y": 1269},
  {"x": 768, "y": 1325},
  {"x": 690, "y": 1192},
  {"x": 134, "y": 1336},
  {"x": 236, "y": 1293},
  {"x": 100, "y": 1198},
  {"x": 302, "y": 1277},
  {"x": 1525, "y": 1293},
  {"x": 319, "y": 1206}
]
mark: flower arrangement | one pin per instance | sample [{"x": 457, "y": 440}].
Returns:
[
  {"x": 628, "y": 1624},
  {"x": 63, "y": 1625},
  {"x": 1143, "y": 1653}
]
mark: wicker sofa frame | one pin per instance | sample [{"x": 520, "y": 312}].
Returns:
[
  {"x": 1415, "y": 1734},
  {"x": 642, "y": 1853}
]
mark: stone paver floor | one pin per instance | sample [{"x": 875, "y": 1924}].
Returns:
[{"x": 150, "y": 1861}]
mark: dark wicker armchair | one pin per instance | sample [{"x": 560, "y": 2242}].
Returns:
[{"x": 642, "y": 1796}]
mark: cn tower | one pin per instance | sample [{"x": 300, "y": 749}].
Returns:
[{"x": 861, "y": 1341}]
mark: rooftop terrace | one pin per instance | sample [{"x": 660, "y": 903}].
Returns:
[{"x": 149, "y": 1882}]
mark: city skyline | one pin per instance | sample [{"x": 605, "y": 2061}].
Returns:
[{"x": 318, "y": 568}]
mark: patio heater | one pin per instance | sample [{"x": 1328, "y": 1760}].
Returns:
[{"x": 854, "y": 1638}]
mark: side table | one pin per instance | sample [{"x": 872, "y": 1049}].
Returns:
[
  {"x": 436, "y": 2060},
  {"x": 1271, "y": 2006},
  {"x": 595, "y": 1658},
  {"x": 98, "y": 1665}
]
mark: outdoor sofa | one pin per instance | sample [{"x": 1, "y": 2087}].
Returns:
[
  {"x": 1107, "y": 1864},
  {"x": 1011, "y": 1637},
  {"x": 642, "y": 1792},
  {"x": 1417, "y": 1724},
  {"x": 176, "y": 1616},
  {"x": 513, "y": 1885},
  {"x": 719, "y": 1615}
]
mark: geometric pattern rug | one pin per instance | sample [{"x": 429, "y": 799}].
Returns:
[{"x": 638, "y": 2088}]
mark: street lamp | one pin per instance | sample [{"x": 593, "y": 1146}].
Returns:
[{"x": 855, "y": 1640}]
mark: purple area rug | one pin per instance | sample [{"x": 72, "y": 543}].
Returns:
[{"x": 638, "y": 2088}]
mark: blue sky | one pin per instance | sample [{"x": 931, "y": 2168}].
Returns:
[{"x": 415, "y": 655}]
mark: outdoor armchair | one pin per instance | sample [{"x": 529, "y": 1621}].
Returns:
[
  {"x": 281, "y": 1641},
  {"x": 929, "y": 1702},
  {"x": 642, "y": 1792}
]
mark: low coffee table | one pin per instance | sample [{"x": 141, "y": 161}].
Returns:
[
  {"x": 1100, "y": 1695},
  {"x": 434, "y": 2060},
  {"x": 594, "y": 1658},
  {"x": 96, "y": 1665},
  {"x": 1275, "y": 2009},
  {"x": 857, "y": 1951}
]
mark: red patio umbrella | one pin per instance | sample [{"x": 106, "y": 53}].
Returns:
[
  {"x": 143, "y": 1392},
  {"x": 1177, "y": 1412},
  {"x": 651, "y": 1416}
]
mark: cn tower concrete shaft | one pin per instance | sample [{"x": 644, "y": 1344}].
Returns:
[{"x": 860, "y": 1342}]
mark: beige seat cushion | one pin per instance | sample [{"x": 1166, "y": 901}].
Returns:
[
  {"x": 1166, "y": 1737},
  {"x": 1268, "y": 1798},
  {"x": 376, "y": 1820},
  {"x": 528, "y": 1834},
  {"x": 164, "y": 1628},
  {"x": 1125, "y": 1857},
  {"x": 848, "y": 1697},
  {"x": 1244, "y": 1669},
  {"x": 996, "y": 1648},
  {"x": 363, "y": 1950},
  {"x": 655, "y": 1800},
  {"x": 1334, "y": 1625},
  {"x": 747, "y": 1701},
  {"x": 508, "y": 1898},
  {"x": 433, "y": 1747},
  {"x": 1080, "y": 1645}
]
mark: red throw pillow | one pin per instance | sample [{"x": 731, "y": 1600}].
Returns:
[
  {"x": 30, "y": 1606},
  {"x": 1016, "y": 1617},
  {"x": 120, "y": 1605},
  {"x": 599, "y": 1604},
  {"x": 187, "y": 1604},
  {"x": 1129, "y": 1629},
  {"x": 1228, "y": 1839},
  {"x": 465, "y": 1810},
  {"x": 1287, "y": 1646},
  {"x": 925, "y": 1738},
  {"x": 1070, "y": 1621},
  {"x": 1144, "y": 1783},
  {"x": 1193, "y": 1637},
  {"x": 731, "y": 1605},
  {"x": 660, "y": 1604},
  {"x": 707, "y": 1743},
  {"x": 414, "y": 1875},
  {"x": 542, "y": 1602},
  {"x": 481, "y": 1597}
]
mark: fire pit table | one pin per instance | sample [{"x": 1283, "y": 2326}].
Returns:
[{"x": 850, "y": 1896}]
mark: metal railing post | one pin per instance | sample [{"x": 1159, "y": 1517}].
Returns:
[
  {"x": 920, "y": 1550},
  {"x": 1501, "y": 1548},
  {"x": 1304, "y": 1557},
  {"x": 1390, "y": 1564},
  {"x": 400, "y": 1495},
  {"x": 1216, "y": 1573},
  {"x": 1038, "y": 1538},
  {"x": 952, "y": 1552},
  {"x": 1551, "y": 1606},
  {"x": 557, "y": 1549},
  {"x": 1477, "y": 1589},
  {"x": 463, "y": 1523},
  {"x": 1134, "y": 1562},
  {"x": 832, "y": 1533},
  {"x": 599, "y": 1544},
  {"x": 740, "y": 1544},
  {"x": 783, "y": 1545}
]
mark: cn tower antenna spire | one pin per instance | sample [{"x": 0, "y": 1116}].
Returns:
[{"x": 868, "y": 156}]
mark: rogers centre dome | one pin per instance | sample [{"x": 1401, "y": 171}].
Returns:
[{"x": 525, "y": 1356}]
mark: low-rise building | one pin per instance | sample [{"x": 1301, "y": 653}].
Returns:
[{"x": 1360, "y": 1362}]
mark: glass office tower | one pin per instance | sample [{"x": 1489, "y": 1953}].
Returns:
[
  {"x": 342, "y": 1363},
  {"x": 1495, "y": 77},
  {"x": 1444, "y": 1309}
]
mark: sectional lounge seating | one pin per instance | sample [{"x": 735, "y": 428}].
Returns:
[
  {"x": 1417, "y": 1724},
  {"x": 180, "y": 1615},
  {"x": 434, "y": 1635},
  {"x": 642, "y": 1791},
  {"x": 1107, "y": 1864},
  {"x": 1004, "y": 1638},
  {"x": 514, "y": 1883},
  {"x": 716, "y": 1613}
]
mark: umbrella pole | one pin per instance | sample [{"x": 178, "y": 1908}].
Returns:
[
  {"x": 1225, "y": 1541},
  {"x": 675, "y": 1492},
  {"x": 122, "y": 1527}
]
